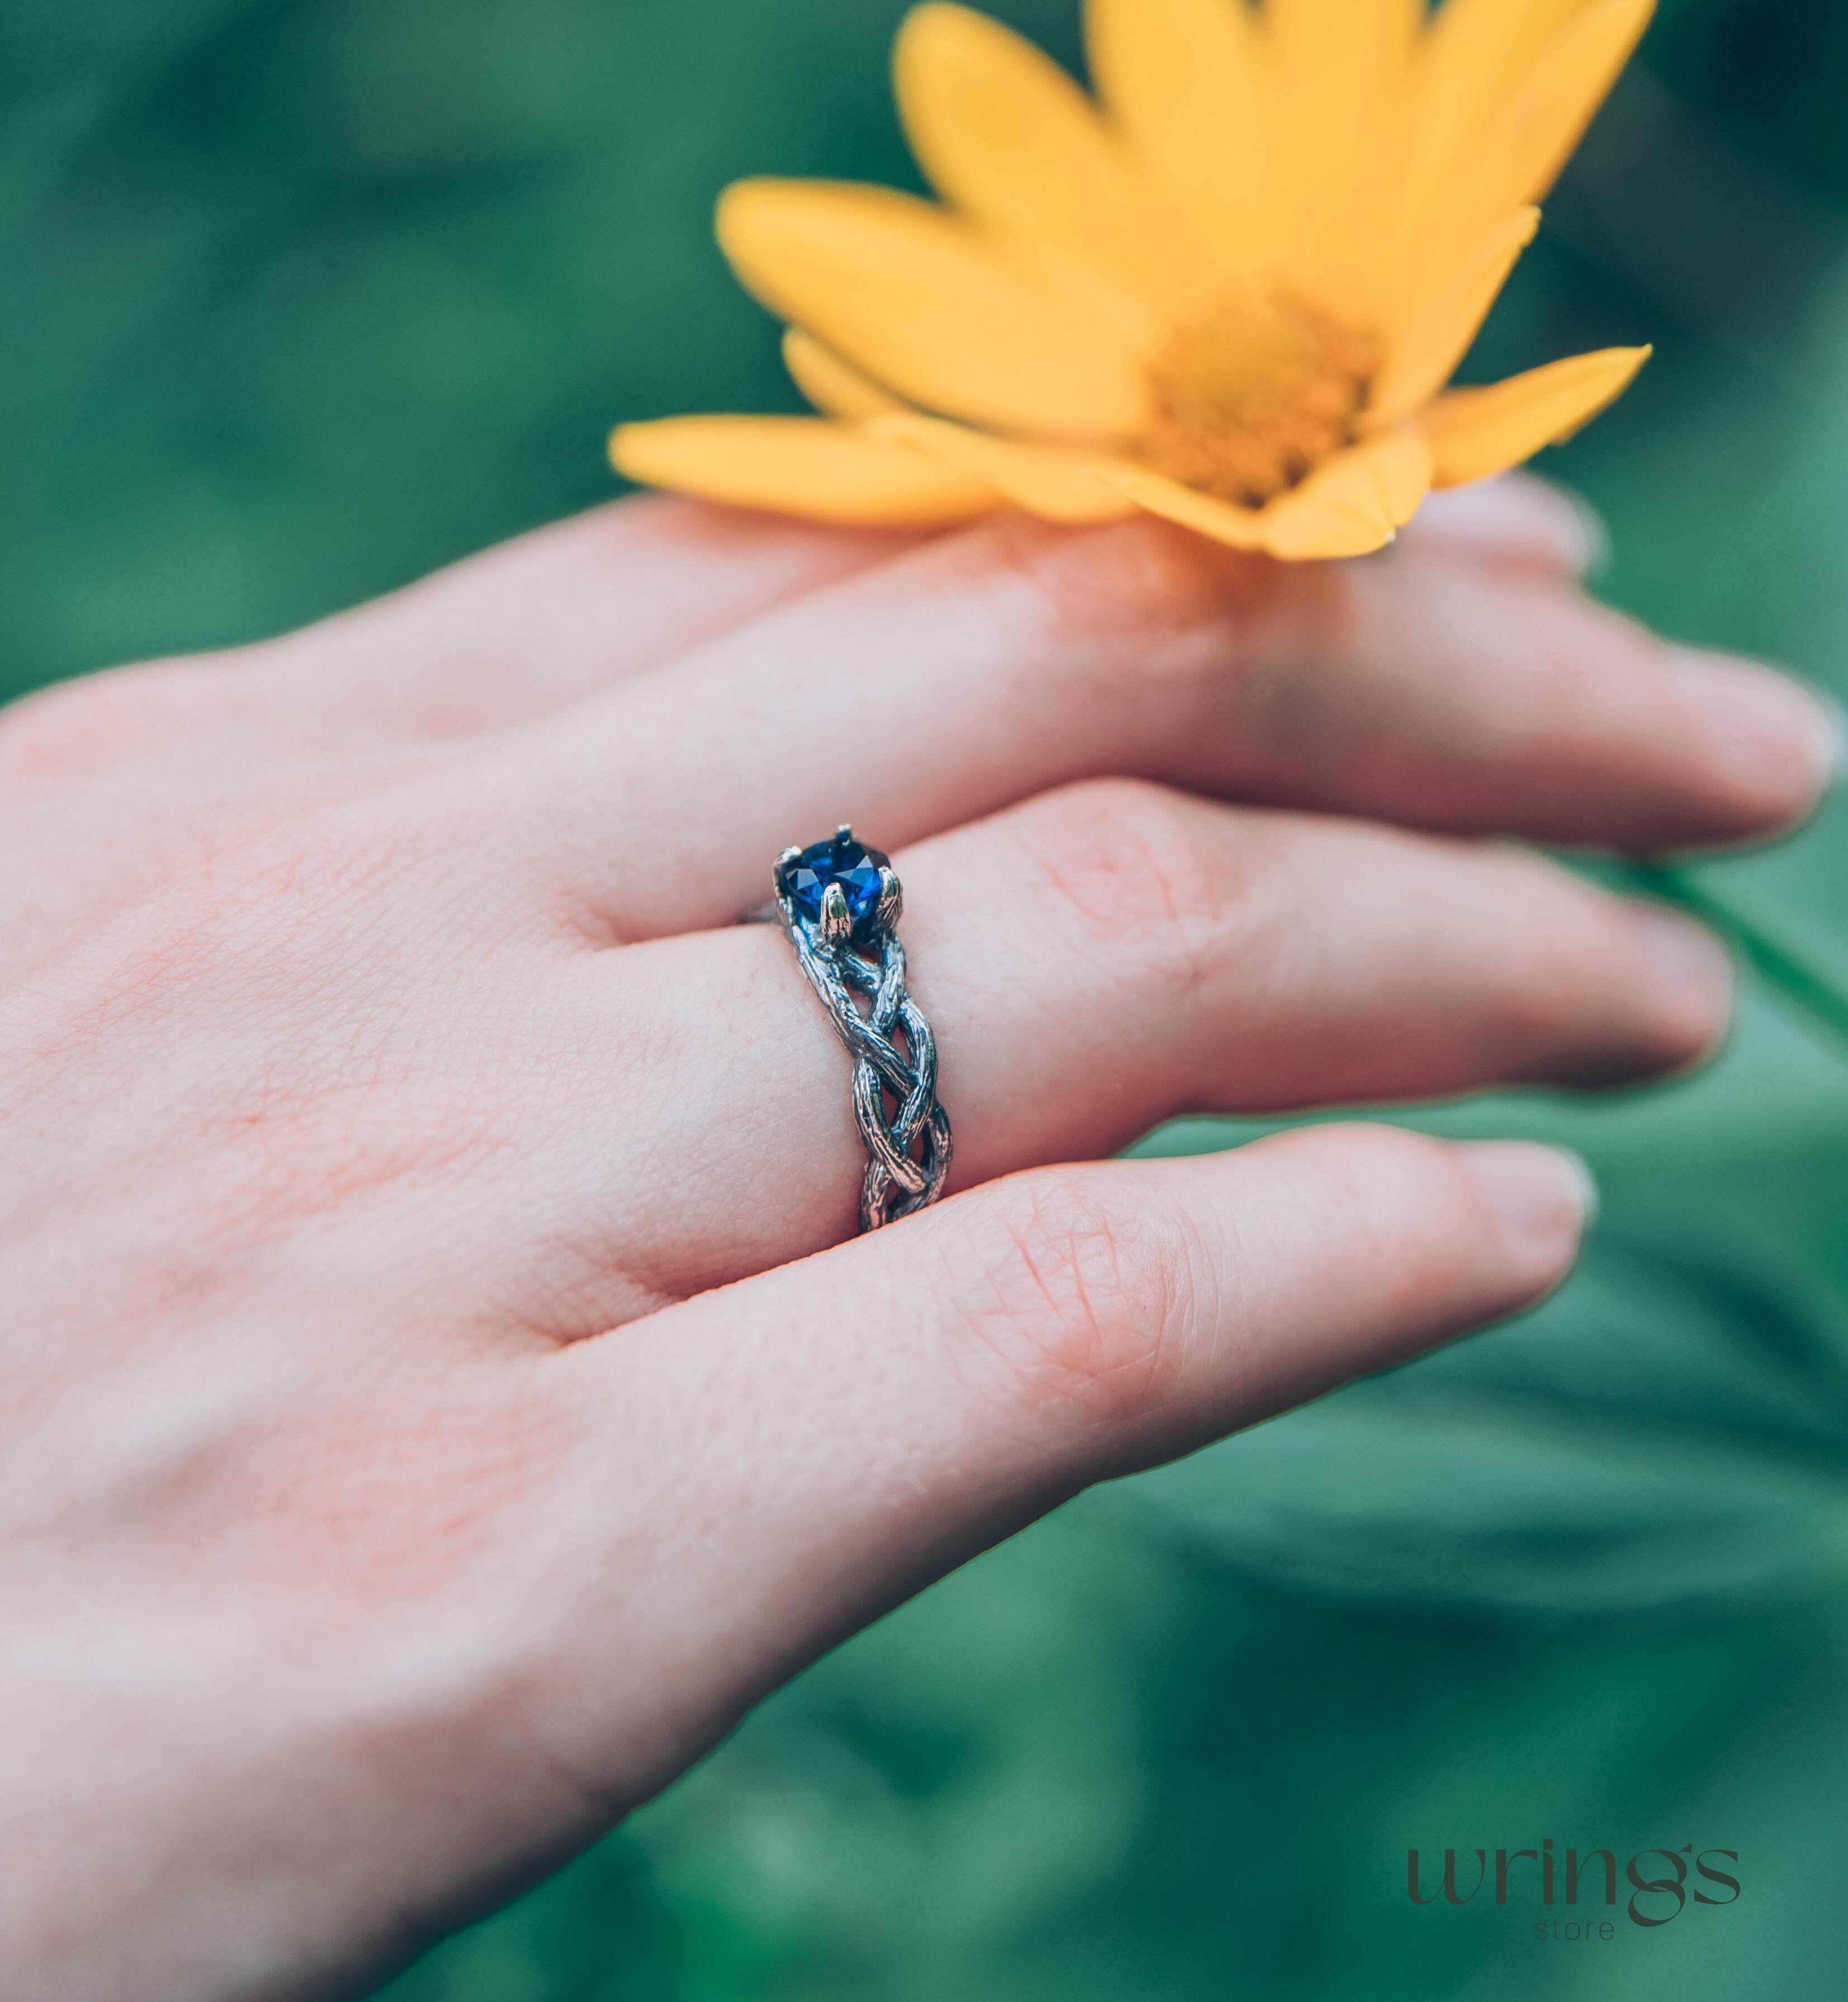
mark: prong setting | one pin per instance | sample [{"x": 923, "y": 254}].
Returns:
[
  {"x": 838, "y": 889},
  {"x": 890, "y": 906},
  {"x": 836, "y": 923}
]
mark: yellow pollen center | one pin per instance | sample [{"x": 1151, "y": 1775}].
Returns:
[{"x": 1252, "y": 396}]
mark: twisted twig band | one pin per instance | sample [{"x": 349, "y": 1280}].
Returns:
[{"x": 844, "y": 951}]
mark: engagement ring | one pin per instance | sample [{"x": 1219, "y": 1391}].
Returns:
[{"x": 839, "y": 903}]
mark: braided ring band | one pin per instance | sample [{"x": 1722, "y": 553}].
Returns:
[{"x": 839, "y": 903}]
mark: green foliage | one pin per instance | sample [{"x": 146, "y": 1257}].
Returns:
[
  {"x": 1084, "y": 1770},
  {"x": 299, "y": 297},
  {"x": 1668, "y": 1437}
]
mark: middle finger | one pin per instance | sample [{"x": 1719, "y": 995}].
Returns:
[{"x": 978, "y": 671}]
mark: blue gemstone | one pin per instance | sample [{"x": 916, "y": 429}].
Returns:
[{"x": 848, "y": 863}]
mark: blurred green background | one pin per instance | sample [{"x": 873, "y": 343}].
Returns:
[{"x": 300, "y": 298}]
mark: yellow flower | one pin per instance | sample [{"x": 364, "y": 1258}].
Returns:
[{"x": 1232, "y": 295}]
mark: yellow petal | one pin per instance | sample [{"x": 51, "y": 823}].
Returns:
[
  {"x": 1520, "y": 156},
  {"x": 1474, "y": 433},
  {"x": 1473, "y": 60},
  {"x": 1238, "y": 528},
  {"x": 1356, "y": 503},
  {"x": 1059, "y": 485},
  {"x": 836, "y": 388},
  {"x": 1559, "y": 97},
  {"x": 1479, "y": 49},
  {"x": 1437, "y": 328},
  {"x": 1184, "y": 82},
  {"x": 918, "y": 301},
  {"x": 799, "y": 465},
  {"x": 1343, "y": 70},
  {"x": 1004, "y": 134}
]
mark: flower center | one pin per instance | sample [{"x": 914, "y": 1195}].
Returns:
[{"x": 1253, "y": 396}]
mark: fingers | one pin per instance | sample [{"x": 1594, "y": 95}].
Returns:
[
  {"x": 981, "y": 669},
  {"x": 558, "y": 615},
  {"x": 830, "y": 1437},
  {"x": 1516, "y": 519},
  {"x": 541, "y": 622},
  {"x": 583, "y": 604},
  {"x": 1095, "y": 962}
]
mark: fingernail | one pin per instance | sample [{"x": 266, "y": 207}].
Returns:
[
  {"x": 1695, "y": 970},
  {"x": 1783, "y": 742},
  {"x": 1545, "y": 1197},
  {"x": 1594, "y": 552},
  {"x": 1835, "y": 750}
]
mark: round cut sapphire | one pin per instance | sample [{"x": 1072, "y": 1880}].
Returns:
[{"x": 839, "y": 860}]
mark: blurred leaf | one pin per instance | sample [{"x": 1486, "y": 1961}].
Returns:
[
  {"x": 1669, "y": 1434},
  {"x": 1673, "y": 1430}
]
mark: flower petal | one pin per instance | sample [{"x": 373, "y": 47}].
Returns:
[
  {"x": 1059, "y": 485},
  {"x": 799, "y": 465},
  {"x": 1238, "y": 528},
  {"x": 1518, "y": 158},
  {"x": 915, "y": 298},
  {"x": 836, "y": 388},
  {"x": 1479, "y": 49},
  {"x": 1436, "y": 330},
  {"x": 1183, "y": 80},
  {"x": 1474, "y": 433},
  {"x": 1007, "y": 136},
  {"x": 1356, "y": 503},
  {"x": 1342, "y": 76},
  {"x": 1474, "y": 59}
]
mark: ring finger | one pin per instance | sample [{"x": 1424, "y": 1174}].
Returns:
[{"x": 1092, "y": 962}]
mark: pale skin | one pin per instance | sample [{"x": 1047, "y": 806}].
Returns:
[{"x": 439, "y": 1389}]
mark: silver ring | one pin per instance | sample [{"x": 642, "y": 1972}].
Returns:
[{"x": 839, "y": 903}]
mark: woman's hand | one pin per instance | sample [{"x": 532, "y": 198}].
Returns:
[{"x": 436, "y": 1394}]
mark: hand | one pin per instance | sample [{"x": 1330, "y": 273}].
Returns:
[{"x": 440, "y": 1395}]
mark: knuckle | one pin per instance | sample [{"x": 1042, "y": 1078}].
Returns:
[
  {"x": 1627, "y": 643},
  {"x": 1138, "y": 589},
  {"x": 1388, "y": 1176},
  {"x": 1080, "y": 1301},
  {"x": 1400, "y": 1197},
  {"x": 1132, "y": 872},
  {"x": 1128, "y": 626},
  {"x": 1602, "y": 677}
]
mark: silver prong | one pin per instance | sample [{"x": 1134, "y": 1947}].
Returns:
[
  {"x": 844, "y": 831},
  {"x": 836, "y": 926},
  {"x": 892, "y": 900},
  {"x": 788, "y": 855}
]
